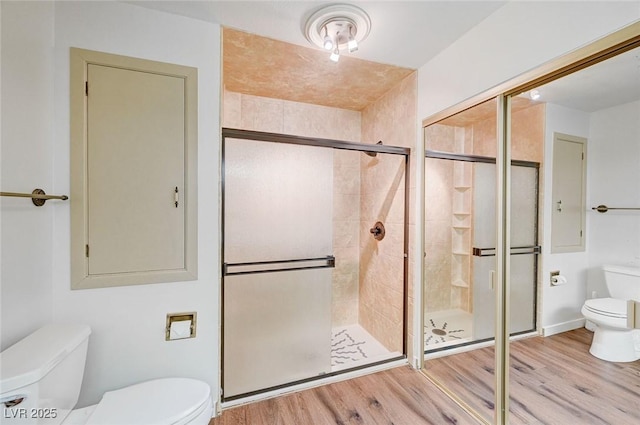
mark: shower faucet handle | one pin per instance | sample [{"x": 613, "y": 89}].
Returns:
[{"x": 378, "y": 231}]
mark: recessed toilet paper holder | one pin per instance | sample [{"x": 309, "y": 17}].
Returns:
[
  {"x": 180, "y": 326},
  {"x": 556, "y": 279}
]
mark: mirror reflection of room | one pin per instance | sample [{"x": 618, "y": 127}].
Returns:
[{"x": 580, "y": 135}]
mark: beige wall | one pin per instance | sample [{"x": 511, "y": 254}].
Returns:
[
  {"x": 280, "y": 116},
  {"x": 527, "y": 134},
  {"x": 367, "y": 281},
  {"x": 438, "y": 209},
  {"x": 392, "y": 120}
]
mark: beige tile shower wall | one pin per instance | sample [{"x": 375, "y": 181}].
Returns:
[
  {"x": 478, "y": 136},
  {"x": 527, "y": 134},
  {"x": 280, "y": 116},
  {"x": 346, "y": 237},
  {"x": 391, "y": 119},
  {"x": 438, "y": 210}
]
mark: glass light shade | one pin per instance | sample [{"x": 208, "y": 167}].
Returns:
[
  {"x": 353, "y": 45},
  {"x": 328, "y": 43}
]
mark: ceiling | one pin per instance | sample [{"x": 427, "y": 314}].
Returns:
[
  {"x": 613, "y": 82},
  {"x": 265, "y": 51},
  {"x": 403, "y": 33},
  {"x": 261, "y": 66}
]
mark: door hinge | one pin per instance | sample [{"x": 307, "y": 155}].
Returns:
[
  {"x": 86, "y": 88},
  {"x": 86, "y": 250},
  {"x": 580, "y": 233},
  {"x": 583, "y": 156}
]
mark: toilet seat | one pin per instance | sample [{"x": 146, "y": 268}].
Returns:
[
  {"x": 168, "y": 401},
  {"x": 609, "y": 307}
]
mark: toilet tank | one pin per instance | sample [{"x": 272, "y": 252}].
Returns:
[
  {"x": 41, "y": 375},
  {"x": 623, "y": 282}
]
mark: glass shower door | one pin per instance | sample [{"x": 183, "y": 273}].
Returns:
[
  {"x": 484, "y": 242},
  {"x": 278, "y": 201},
  {"x": 524, "y": 248}
]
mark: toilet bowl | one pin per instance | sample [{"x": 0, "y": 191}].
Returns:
[
  {"x": 613, "y": 340},
  {"x": 40, "y": 383}
]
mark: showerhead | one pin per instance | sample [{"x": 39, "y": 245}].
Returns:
[{"x": 374, "y": 154}]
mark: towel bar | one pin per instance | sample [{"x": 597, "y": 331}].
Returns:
[{"x": 38, "y": 196}]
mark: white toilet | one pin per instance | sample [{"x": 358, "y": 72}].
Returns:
[
  {"x": 613, "y": 340},
  {"x": 41, "y": 375}
]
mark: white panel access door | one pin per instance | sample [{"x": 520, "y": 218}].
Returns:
[{"x": 568, "y": 214}]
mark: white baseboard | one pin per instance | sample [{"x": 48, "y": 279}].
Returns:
[{"x": 562, "y": 327}]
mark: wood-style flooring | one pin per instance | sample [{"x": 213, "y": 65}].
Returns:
[
  {"x": 553, "y": 381},
  {"x": 400, "y": 396}
]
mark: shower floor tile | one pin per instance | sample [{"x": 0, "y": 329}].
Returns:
[
  {"x": 446, "y": 328},
  {"x": 353, "y": 346}
]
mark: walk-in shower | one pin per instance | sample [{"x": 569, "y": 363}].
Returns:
[
  {"x": 460, "y": 301},
  {"x": 460, "y": 235},
  {"x": 309, "y": 289}
]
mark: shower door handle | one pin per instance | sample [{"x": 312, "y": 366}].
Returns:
[
  {"x": 230, "y": 269},
  {"x": 515, "y": 250}
]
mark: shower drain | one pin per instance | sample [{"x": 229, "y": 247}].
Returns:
[{"x": 438, "y": 333}]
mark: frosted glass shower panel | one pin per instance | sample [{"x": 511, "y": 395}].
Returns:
[
  {"x": 278, "y": 213},
  {"x": 524, "y": 241},
  {"x": 277, "y": 329},
  {"x": 278, "y": 201},
  {"x": 524, "y": 249},
  {"x": 524, "y": 206},
  {"x": 484, "y": 237}
]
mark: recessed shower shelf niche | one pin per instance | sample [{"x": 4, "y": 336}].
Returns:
[
  {"x": 461, "y": 225},
  {"x": 460, "y": 270},
  {"x": 459, "y": 283},
  {"x": 461, "y": 220},
  {"x": 461, "y": 199}
]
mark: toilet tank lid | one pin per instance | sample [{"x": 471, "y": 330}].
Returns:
[
  {"x": 630, "y": 270},
  {"x": 30, "y": 359}
]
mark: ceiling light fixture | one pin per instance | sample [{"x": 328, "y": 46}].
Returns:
[
  {"x": 534, "y": 94},
  {"x": 352, "y": 44},
  {"x": 338, "y": 27},
  {"x": 328, "y": 42},
  {"x": 335, "y": 55}
]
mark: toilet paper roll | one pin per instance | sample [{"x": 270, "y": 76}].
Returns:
[
  {"x": 180, "y": 329},
  {"x": 558, "y": 280}
]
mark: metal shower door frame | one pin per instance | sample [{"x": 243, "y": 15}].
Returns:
[
  {"x": 258, "y": 136},
  {"x": 535, "y": 250}
]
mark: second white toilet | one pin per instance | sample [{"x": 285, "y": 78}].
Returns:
[{"x": 613, "y": 340}]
